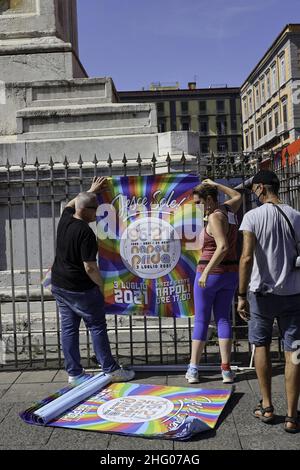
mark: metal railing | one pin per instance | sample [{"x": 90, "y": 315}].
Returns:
[{"x": 31, "y": 199}]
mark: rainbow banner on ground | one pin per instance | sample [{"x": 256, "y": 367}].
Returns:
[
  {"x": 152, "y": 411},
  {"x": 148, "y": 233}
]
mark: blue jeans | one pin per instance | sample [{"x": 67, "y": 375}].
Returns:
[{"x": 89, "y": 306}]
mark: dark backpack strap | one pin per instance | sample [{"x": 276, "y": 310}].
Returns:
[{"x": 289, "y": 224}]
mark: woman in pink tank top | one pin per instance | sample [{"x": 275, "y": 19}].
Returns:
[{"x": 217, "y": 274}]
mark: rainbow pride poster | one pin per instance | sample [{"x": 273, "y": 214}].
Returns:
[
  {"x": 151, "y": 411},
  {"x": 148, "y": 234}
]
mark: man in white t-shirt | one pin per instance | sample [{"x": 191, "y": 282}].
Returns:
[{"x": 267, "y": 267}]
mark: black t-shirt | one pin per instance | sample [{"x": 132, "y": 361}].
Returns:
[{"x": 76, "y": 243}]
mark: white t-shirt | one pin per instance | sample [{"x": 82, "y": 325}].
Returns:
[{"x": 275, "y": 252}]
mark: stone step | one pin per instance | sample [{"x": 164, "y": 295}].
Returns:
[
  {"x": 83, "y": 121},
  {"x": 71, "y": 92}
]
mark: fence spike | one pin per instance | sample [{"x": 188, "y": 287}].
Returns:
[
  {"x": 80, "y": 162},
  {"x": 139, "y": 160},
  {"x": 66, "y": 163},
  {"x": 154, "y": 159},
  {"x": 124, "y": 161},
  {"x": 95, "y": 161},
  {"x": 109, "y": 160},
  {"x": 36, "y": 163},
  {"x": 51, "y": 163},
  {"x": 8, "y": 165}
]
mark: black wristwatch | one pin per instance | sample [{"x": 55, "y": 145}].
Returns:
[{"x": 242, "y": 295}]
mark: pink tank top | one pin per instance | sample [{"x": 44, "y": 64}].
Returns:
[{"x": 230, "y": 262}]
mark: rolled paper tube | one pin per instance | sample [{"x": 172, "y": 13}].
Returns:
[
  {"x": 74, "y": 396},
  {"x": 134, "y": 250},
  {"x": 165, "y": 248},
  {"x": 150, "y": 248},
  {"x": 157, "y": 248}
]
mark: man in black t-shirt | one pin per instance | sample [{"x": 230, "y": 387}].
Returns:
[{"x": 77, "y": 286}]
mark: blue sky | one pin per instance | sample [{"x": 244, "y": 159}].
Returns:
[{"x": 137, "y": 42}]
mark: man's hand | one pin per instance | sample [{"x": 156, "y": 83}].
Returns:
[
  {"x": 99, "y": 183},
  {"x": 243, "y": 309}
]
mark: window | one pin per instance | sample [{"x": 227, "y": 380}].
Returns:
[
  {"x": 160, "y": 107},
  {"x": 203, "y": 127},
  {"x": 247, "y": 141},
  {"x": 284, "y": 111},
  {"x": 270, "y": 122},
  {"x": 185, "y": 126},
  {"x": 204, "y": 147},
  {"x": 252, "y": 138},
  {"x": 234, "y": 144},
  {"x": 257, "y": 97},
  {"x": 202, "y": 106},
  {"x": 222, "y": 146},
  {"x": 222, "y": 126},
  {"x": 263, "y": 94},
  {"x": 268, "y": 86},
  {"x": 184, "y": 106},
  {"x": 259, "y": 131},
  {"x": 282, "y": 70},
  {"x": 265, "y": 127},
  {"x": 274, "y": 79},
  {"x": 233, "y": 123},
  {"x": 276, "y": 117},
  {"x": 245, "y": 109},
  {"x": 220, "y": 106},
  {"x": 250, "y": 105}
]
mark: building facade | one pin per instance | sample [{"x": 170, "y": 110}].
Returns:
[
  {"x": 213, "y": 112},
  {"x": 271, "y": 95}
]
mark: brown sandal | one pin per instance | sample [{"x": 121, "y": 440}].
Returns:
[
  {"x": 263, "y": 411},
  {"x": 295, "y": 421}
]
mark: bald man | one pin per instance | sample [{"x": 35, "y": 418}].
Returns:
[{"x": 77, "y": 286}]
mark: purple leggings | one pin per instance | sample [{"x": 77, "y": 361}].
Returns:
[{"x": 217, "y": 294}]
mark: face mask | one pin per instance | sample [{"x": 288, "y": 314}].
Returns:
[{"x": 258, "y": 203}]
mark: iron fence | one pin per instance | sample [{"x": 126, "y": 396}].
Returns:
[{"x": 31, "y": 200}]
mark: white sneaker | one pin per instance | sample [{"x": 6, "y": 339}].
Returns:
[
  {"x": 75, "y": 380},
  {"x": 228, "y": 376},
  {"x": 192, "y": 375},
  {"x": 121, "y": 375}
]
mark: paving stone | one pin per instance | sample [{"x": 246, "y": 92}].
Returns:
[
  {"x": 29, "y": 392},
  {"x": 74, "y": 439},
  {"x": 4, "y": 410},
  {"x": 3, "y": 389},
  {"x": 9, "y": 377},
  {"x": 138, "y": 443},
  {"x": 286, "y": 442},
  {"x": 14, "y": 432},
  {"x": 29, "y": 377}
]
